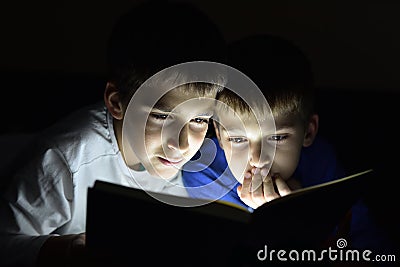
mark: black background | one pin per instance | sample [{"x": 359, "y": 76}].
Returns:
[{"x": 52, "y": 61}]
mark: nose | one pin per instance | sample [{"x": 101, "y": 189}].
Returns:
[
  {"x": 180, "y": 142},
  {"x": 260, "y": 155}
]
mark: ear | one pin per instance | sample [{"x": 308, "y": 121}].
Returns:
[
  {"x": 217, "y": 133},
  {"x": 311, "y": 130},
  {"x": 113, "y": 101}
]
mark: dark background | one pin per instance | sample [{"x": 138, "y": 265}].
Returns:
[
  {"x": 351, "y": 43},
  {"x": 52, "y": 61},
  {"x": 52, "y": 55}
]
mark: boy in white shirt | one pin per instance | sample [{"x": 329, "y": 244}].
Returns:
[{"x": 43, "y": 210}]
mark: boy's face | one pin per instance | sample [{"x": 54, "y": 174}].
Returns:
[
  {"x": 241, "y": 138},
  {"x": 175, "y": 129}
]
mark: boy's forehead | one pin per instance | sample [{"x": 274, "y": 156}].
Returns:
[
  {"x": 244, "y": 121},
  {"x": 260, "y": 116},
  {"x": 235, "y": 115},
  {"x": 182, "y": 96},
  {"x": 236, "y": 122},
  {"x": 287, "y": 120}
]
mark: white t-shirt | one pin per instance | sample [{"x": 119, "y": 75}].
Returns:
[{"x": 48, "y": 195}]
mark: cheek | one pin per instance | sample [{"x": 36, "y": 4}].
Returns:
[
  {"x": 152, "y": 138},
  {"x": 196, "y": 139},
  {"x": 285, "y": 162},
  {"x": 236, "y": 150},
  {"x": 237, "y": 161}
]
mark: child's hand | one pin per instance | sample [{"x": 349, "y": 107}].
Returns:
[
  {"x": 259, "y": 187},
  {"x": 65, "y": 250}
]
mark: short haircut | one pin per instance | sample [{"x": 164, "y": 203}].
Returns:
[
  {"x": 155, "y": 35},
  {"x": 279, "y": 69}
]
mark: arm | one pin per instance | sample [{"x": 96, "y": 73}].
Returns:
[
  {"x": 65, "y": 250},
  {"x": 37, "y": 202},
  {"x": 367, "y": 233}
]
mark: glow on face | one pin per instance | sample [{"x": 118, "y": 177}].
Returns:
[
  {"x": 175, "y": 129},
  {"x": 247, "y": 144}
]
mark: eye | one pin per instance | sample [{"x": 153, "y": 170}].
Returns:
[
  {"x": 159, "y": 116},
  {"x": 200, "y": 120},
  {"x": 237, "y": 140},
  {"x": 278, "y": 138}
]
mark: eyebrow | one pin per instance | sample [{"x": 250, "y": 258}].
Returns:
[
  {"x": 162, "y": 106},
  {"x": 282, "y": 128},
  {"x": 233, "y": 131},
  {"x": 167, "y": 108},
  {"x": 240, "y": 132},
  {"x": 206, "y": 114}
]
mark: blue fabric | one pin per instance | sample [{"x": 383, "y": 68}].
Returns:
[
  {"x": 222, "y": 189},
  {"x": 308, "y": 172},
  {"x": 317, "y": 164}
]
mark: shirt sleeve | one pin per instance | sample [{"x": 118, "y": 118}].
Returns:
[
  {"x": 318, "y": 164},
  {"x": 366, "y": 233},
  {"x": 37, "y": 202}
]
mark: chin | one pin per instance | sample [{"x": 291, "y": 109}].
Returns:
[{"x": 166, "y": 174}]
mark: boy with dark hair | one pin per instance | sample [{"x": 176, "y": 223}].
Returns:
[
  {"x": 283, "y": 74},
  {"x": 265, "y": 150},
  {"x": 43, "y": 210}
]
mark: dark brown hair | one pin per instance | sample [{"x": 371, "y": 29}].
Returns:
[
  {"x": 280, "y": 70},
  {"x": 158, "y": 34}
]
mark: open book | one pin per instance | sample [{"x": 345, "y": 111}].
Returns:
[{"x": 128, "y": 225}]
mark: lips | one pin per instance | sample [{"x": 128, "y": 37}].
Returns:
[{"x": 170, "y": 162}]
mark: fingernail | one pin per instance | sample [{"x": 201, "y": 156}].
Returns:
[
  {"x": 247, "y": 175},
  {"x": 257, "y": 170}
]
